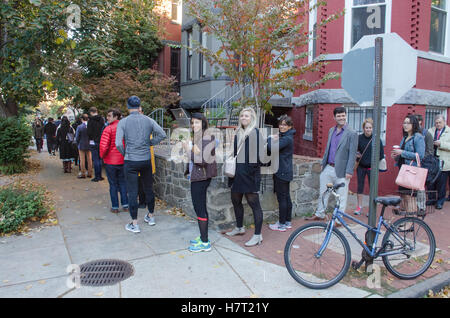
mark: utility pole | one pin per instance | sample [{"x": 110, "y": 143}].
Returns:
[{"x": 375, "y": 143}]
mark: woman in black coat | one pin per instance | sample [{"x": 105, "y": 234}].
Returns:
[
  {"x": 65, "y": 137},
  {"x": 247, "y": 177},
  {"x": 284, "y": 175}
]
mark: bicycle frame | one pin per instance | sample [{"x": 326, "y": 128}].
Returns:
[{"x": 340, "y": 215}]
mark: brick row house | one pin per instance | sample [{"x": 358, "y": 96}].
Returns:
[
  {"x": 424, "y": 24},
  {"x": 168, "y": 61}
]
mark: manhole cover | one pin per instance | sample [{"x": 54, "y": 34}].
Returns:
[{"x": 105, "y": 272}]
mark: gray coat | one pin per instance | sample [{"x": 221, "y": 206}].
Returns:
[{"x": 345, "y": 154}]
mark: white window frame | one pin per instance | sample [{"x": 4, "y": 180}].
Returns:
[
  {"x": 363, "y": 110},
  {"x": 447, "y": 32},
  {"x": 434, "y": 110},
  {"x": 189, "y": 55},
  {"x": 312, "y": 22},
  {"x": 348, "y": 21},
  {"x": 202, "y": 60},
  {"x": 309, "y": 111}
]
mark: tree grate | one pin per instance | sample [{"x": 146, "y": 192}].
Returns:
[{"x": 105, "y": 272}]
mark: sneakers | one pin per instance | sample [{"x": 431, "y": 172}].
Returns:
[
  {"x": 132, "y": 228},
  {"x": 114, "y": 210},
  {"x": 200, "y": 247},
  {"x": 236, "y": 231},
  {"x": 150, "y": 220},
  {"x": 357, "y": 211},
  {"x": 288, "y": 225},
  {"x": 278, "y": 227},
  {"x": 195, "y": 241},
  {"x": 255, "y": 240}
]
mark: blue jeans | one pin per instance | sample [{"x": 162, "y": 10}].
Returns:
[
  {"x": 117, "y": 183},
  {"x": 132, "y": 170},
  {"x": 96, "y": 160}
]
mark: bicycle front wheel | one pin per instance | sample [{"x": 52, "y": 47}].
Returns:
[
  {"x": 412, "y": 247},
  {"x": 310, "y": 270}
]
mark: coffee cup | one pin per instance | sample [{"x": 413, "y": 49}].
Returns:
[{"x": 396, "y": 147}]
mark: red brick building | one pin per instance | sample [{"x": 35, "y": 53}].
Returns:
[
  {"x": 424, "y": 24},
  {"x": 168, "y": 61}
]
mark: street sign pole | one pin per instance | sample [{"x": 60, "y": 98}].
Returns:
[{"x": 375, "y": 143}]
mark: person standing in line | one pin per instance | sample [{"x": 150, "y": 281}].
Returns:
[
  {"x": 201, "y": 168},
  {"x": 95, "y": 127},
  {"x": 337, "y": 164},
  {"x": 364, "y": 158},
  {"x": 441, "y": 142},
  {"x": 114, "y": 162},
  {"x": 429, "y": 143},
  {"x": 38, "y": 133},
  {"x": 50, "y": 133},
  {"x": 412, "y": 143},
  {"x": 65, "y": 136},
  {"x": 82, "y": 140},
  {"x": 284, "y": 175},
  {"x": 247, "y": 177},
  {"x": 75, "y": 125},
  {"x": 135, "y": 131}
]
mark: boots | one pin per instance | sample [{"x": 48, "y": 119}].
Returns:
[
  {"x": 69, "y": 166},
  {"x": 65, "y": 166}
]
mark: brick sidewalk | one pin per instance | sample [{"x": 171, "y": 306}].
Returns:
[{"x": 272, "y": 250}]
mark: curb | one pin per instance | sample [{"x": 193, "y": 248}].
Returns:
[{"x": 435, "y": 283}]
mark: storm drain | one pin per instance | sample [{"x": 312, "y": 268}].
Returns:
[{"x": 105, "y": 272}]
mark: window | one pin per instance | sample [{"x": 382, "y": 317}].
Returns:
[
  {"x": 189, "y": 56},
  {"x": 356, "y": 116},
  {"x": 438, "y": 26},
  {"x": 202, "y": 60},
  {"x": 313, "y": 31},
  {"x": 309, "y": 123},
  {"x": 174, "y": 11},
  {"x": 367, "y": 17},
  {"x": 175, "y": 64},
  {"x": 430, "y": 114}
]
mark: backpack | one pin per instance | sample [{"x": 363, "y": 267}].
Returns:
[{"x": 434, "y": 167}]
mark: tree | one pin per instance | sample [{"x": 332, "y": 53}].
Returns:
[
  {"x": 153, "y": 88},
  {"x": 40, "y": 51},
  {"x": 262, "y": 44}
]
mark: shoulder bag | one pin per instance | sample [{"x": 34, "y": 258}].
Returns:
[{"x": 229, "y": 165}]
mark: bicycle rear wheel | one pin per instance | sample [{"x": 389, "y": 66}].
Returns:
[
  {"x": 414, "y": 241},
  {"x": 311, "y": 271}
]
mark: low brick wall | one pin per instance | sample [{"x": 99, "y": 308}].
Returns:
[{"x": 171, "y": 186}]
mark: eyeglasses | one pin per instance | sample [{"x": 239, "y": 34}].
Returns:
[{"x": 405, "y": 123}]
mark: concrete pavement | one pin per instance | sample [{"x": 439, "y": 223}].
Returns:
[{"x": 35, "y": 265}]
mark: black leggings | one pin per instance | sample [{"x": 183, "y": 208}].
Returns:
[
  {"x": 253, "y": 201},
  {"x": 284, "y": 199},
  {"x": 198, "y": 194}
]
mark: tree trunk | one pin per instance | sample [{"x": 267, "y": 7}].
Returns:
[{"x": 9, "y": 108}]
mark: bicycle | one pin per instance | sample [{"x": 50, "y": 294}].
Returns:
[{"x": 318, "y": 256}]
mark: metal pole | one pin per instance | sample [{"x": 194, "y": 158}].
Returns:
[{"x": 375, "y": 141}]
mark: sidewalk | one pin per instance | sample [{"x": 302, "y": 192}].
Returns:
[{"x": 35, "y": 265}]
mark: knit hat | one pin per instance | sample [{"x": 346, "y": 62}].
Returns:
[{"x": 133, "y": 102}]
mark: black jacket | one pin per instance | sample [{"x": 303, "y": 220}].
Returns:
[
  {"x": 247, "y": 177},
  {"x": 95, "y": 127},
  {"x": 286, "y": 151},
  {"x": 366, "y": 160},
  {"x": 50, "y": 130}
]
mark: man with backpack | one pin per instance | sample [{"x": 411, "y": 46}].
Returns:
[{"x": 441, "y": 138}]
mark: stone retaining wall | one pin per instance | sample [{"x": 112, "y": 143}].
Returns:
[{"x": 171, "y": 186}]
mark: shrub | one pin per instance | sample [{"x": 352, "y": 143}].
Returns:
[
  {"x": 18, "y": 205},
  {"x": 15, "y": 138}
]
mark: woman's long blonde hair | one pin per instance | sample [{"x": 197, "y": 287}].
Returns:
[{"x": 241, "y": 132}]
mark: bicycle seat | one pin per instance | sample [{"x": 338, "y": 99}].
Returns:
[{"x": 388, "y": 200}]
